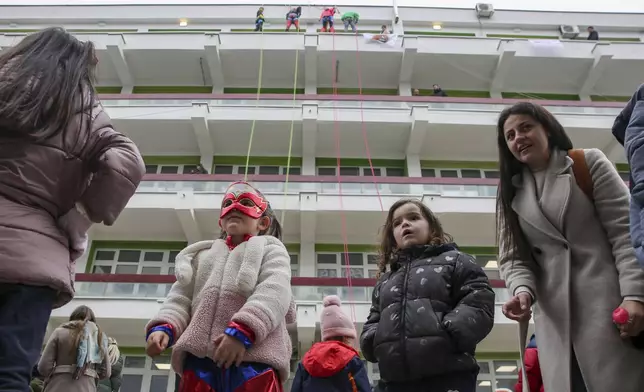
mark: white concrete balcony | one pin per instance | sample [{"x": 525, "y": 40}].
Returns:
[
  {"x": 393, "y": 127},
  {"x": 231, "y": 60},
  {"x": 310, "y": 208},
  {"x": 125, "y": 303}
]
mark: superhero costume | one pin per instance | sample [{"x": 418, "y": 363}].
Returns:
[{"x": 202, "y": 374}]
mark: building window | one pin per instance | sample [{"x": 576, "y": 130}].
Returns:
[
  {"x": 459, "y": 173},
  {"x": 361, "y": 171},
  {"x": 170, "y": 169},
  {"x": 333, "y": 265},
  {"x": 295, "y": 264},
  {"x": 255, "y": 169},
  {"x": 625, "y": 176},
  {"x": 144, "y": 374},
  {"x": 135, "y": 262}
]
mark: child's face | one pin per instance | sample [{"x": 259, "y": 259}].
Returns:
[
  {"x": 237, "y": 224},
  {"x": 242, "y": 210},
  {"x": 410, "y": 226}
]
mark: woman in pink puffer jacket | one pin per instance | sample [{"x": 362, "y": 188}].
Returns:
[{"x": 62, "y": 168}]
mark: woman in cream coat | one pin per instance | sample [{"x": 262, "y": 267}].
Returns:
[{"x": 569, "y": 255}]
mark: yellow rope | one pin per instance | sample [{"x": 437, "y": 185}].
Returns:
[
  {"x": 259, "y": 89},
  {"x": 290, "y": 139}
]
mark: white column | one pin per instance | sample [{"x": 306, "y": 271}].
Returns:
[
  {"x": 214, "y": 63},
  {"x": 407, "y": 66},
  {"x": 413, "y": 166},
  {"x": 311, "y": 63},
  {"x": 309, "y": 138},
  {"x": 503, "y": 65},
  {"x": 594, "y": 73},
  {"x": 204, "y": 138},
  {"x": 115, "y": 52}
]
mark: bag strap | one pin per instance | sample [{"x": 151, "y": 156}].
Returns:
[
  {"x": 523, "y": 342},
  {"x": 581, "y": 172}
]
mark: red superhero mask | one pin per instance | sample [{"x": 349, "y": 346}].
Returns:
[{"x": 244, "y": 198}]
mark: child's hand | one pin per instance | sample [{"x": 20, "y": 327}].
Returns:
[
  {"x": 229, "y": 351},
  {"x": 157, "y": 343}
]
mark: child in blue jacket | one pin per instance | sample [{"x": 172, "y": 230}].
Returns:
[{"x": 333, "y": 365}]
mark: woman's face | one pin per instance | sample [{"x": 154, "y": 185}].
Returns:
[{"x": 527, "y": 140}]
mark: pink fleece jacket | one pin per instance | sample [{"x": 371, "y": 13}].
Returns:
[{"x": 250, "y": 285}]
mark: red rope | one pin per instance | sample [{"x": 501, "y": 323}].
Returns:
[
  {"x": 343, "y": 217},
  {"x": 363, "y": 126}
]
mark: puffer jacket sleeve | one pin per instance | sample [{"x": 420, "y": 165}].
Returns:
[
  {"x": 634, "y": 144},
  {"x": 371, "y": 325},
  {"x": 177, "y": 307},
  {"x": 270, "y": 301},
  {"x": 612, "y": 205},
  {"x": 298, "y": 380},
  {"x": 358, "y": 371},
  {"x": 117, "y": 169},
  {"x": 473, "y": 317}
]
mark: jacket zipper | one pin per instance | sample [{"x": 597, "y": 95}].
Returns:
[{"x": 402, "y": 315}]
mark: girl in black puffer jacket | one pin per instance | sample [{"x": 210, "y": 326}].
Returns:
[{"x": 430, "y": 310}]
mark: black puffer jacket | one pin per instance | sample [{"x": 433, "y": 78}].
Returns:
[{"x": 428, "y": 314}]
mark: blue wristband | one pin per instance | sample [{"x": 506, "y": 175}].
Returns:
[
  {"x": 239, "y": 335},
  {"x": 164, "y": 329}
]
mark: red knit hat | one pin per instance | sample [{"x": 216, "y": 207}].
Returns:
[{"x": 334, "y": 322}]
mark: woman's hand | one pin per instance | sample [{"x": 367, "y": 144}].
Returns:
[
  {"x": 635, "y": 323},
  {"x": 518, "y": 307},
  {"x": 157, "y": 343},
  {"x": 230, "y": 351}
]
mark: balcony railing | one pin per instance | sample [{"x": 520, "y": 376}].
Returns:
[
  {"x": 308, "y": 289},
  {"x": 356, "y": 101},
  {"x": 324, "y": 185}
]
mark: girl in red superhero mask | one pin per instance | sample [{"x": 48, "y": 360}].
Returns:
[{"x": 226, "y": 315}]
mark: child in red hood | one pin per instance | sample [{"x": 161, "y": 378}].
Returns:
[{"x": 333, "y": 365}]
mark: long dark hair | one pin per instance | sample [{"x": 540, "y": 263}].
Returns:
[
  {"x": 507, "y": 220},
  {"x": 274, "y": 229},
  {"x": 388, "y": 242},
  {"x": 45, "y": 81},
  {"x": 81, "y": 315}
]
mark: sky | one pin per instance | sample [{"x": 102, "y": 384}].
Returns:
[{"x": 629, "y": 6}]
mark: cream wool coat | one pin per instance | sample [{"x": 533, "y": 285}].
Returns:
[
  {"x": 583, "y": 265},
  {"x": 250, "y": 284}
]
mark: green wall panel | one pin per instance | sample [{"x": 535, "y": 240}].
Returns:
[
  {"x": 253, "y": 90},
  {"x": 520, "y": 36},
  {"x": 440, "y": 33},
  {"x": 609, "y": 98},
  {"x": 171, "y": 160},
  {"x": 109, "y": 89},
  {"x": 544, "y": 96},
  {"x": 172, "y": 90}
]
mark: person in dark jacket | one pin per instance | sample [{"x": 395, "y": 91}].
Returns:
[
  {"x": 430, "y": 310},
  {"x": 628, "y": 129},
  {"x": 113, "y": 384},
  {"x": 438, "y": 91},
  {"x": 332, "y": 365},
  {"x": 532, "y": 369},
  {"x": 593, "y": 35}
]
